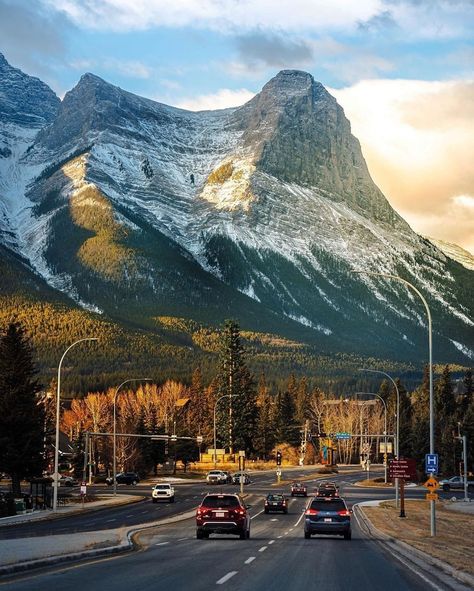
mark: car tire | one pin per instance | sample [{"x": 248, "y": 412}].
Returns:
[
  {"x": 446, "y": 487},
  {"x": 134, "y": 483},
  {"x": 285, "y": 511},
  {"x": 172, "y": 500},
  {"x": 199, "y": 535},
  {"x": 243, "y": 535},
  {"x": 348, "y": 535},
  {"x": 266, "y": 511},
  {"x": 307, "y": 535},
  {"x": 153, "y": 500},
  {"x": 248, "y": 534},
  {"x": 292, "y": 495}
]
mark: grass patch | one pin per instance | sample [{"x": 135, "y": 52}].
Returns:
[{"x": 453, "y": 542}]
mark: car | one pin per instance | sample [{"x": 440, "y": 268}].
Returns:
[
  {"x": 67, "y": 480},
  {"x": 275, "y": 502},
  {"x": 216, "y": 477},
  {"x": 162, "y": 492},
  {"x": 236, "y": 477},
  {"x": 228, "y": 476},
  {"x": 124, "y": 478},
  {"x": 456, "y": 483},
  {"x": 222, "y": 514},
  {"x": 298, "y": 489},
  {"x": 327, "y": 489},
  {"x": 326, "y": 515}
]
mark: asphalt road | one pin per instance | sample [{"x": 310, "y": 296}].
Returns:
[{"x": 276, "y": 558}]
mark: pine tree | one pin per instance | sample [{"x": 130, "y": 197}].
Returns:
[
  {"x": 445, "y": 412},
  {"x": 265, "y": 432},
  {"x": 21, "y": 417},
  {"x": 420, "y": 424},
  {"x": 302, "y": 402},
  {"x": 406, "y": 443}
]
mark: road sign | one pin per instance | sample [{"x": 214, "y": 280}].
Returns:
[
  {"x": 432, "y": 496},
  {"x": 405, "y": 469},
  {"x": 388, "y": 449},
  {"x": 431, "y": 484},
  {"x": 199, "y": 439},
  {"x": 431, "y": 463},
  {"x": 242, "y": 453},
  {"x": 83, "y": 489},
  {"x": 342, "y": 435}
]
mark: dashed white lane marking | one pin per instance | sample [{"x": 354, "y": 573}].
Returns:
[
  {"x": 271, "y": 542},
  {"x": 262, "y": 549},
  {"x": 226, "y": 577},
  {"x": 273, "y": 519},
  {"x": 286, "y": 533},
  {"x": 131, "y": 515},
  {"x": 257, "y": 514},
  {"x": 279, "y": 537},
  {"x": 249, "y": 560},
  {"x": 161, "y": 543},
  {"x": 181, "y": 539},
  {"x": 109, "y": 520}
]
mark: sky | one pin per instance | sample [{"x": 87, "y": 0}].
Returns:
[{"x": 403, "y": 70}]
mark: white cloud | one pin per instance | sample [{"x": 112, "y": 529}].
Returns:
[
  {"x": 221, "y": 15},
  {"x": 418, "y": 140},
  {"x": 222, "y": 99}
]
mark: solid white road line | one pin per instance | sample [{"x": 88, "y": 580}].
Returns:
[
  {"x": 300, "y": 518},
  {"x": 262, "y": 549},
  {"x": 161, "y": 543},
  {"x": 257, "y": 514},
  {"x": 249, "y": 560},
  {"x": 226, "y": 577}
]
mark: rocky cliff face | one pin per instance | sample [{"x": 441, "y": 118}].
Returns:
[{"x": 278, "y": 213}]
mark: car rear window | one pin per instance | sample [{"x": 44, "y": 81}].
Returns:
[
  {"x": 275, "y": 497},
  {"x": 221, "y": 501},
  {"x": 332, "y": 505}
]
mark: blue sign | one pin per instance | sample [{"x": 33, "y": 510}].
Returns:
[
  {"x": 431, "y": 463},
  {"x": 343, "y": 435}
]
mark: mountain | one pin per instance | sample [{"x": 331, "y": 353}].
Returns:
[
  {"x": 265, "y": 213},
  {"x": 455, "y": 252}
]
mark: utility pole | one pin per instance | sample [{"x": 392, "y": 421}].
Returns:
[{"x": 463, "y": 438}]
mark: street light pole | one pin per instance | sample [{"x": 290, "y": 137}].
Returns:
[
  {"x": 397, "y": 440},
  {"x": 56, "y": 450},
  {"x": 215, "y": 433},
  {"x": 114, "y": 459},
  {"x": 385, "y": 421},
  {"x": 430, "y": 347}
]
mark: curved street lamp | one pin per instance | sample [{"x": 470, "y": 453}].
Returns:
[
  {"x": 56, "y": 451},
  {"x": 115, "y": 434},
  {"x": 430, "y": 346},
  {"x": 397, "y": 440}
]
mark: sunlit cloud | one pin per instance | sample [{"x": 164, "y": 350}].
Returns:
[{"x": 418, "y": 140}]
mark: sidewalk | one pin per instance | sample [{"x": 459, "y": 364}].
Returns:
[{"x": 27, "y": 553}]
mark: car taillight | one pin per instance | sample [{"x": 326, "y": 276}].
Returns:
[
  {"x": 344, "y": 513},
  {"x": 312, "y": 512},
  {"x": 239, "y": 511},
  {"x": 266, "y": 502}
]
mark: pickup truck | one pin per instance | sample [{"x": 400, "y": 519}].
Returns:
[
  {"x": 162, "y": 492},
  {"x": 456, "y": 483}
]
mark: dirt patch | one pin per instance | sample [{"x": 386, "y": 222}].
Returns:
[
  {"x": 374, "y": 483},
  {"x": 453, "y": 542}
]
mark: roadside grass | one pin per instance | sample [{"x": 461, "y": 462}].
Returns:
[
  {"x": 376, "y": 482},
  {"x": 453, "y": 540}
]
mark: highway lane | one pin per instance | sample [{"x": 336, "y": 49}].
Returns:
[
  {"x": 276, "y": 558},
  {"x": 188, "y": 497}
]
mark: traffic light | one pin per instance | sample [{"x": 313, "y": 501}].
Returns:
[{"x": 278, "y": 458}]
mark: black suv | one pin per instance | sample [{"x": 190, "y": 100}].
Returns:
[
  {"x": 275, "y": 502},
  {"x": 326, "y": 515},
  {"x": 124, "y": 478},
  {"x": 222, "y": 514}
]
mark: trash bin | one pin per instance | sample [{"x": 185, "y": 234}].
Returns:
[{"x": 20, "y": 507}]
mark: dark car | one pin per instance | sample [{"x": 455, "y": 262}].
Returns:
[
  {"x": 222, "y": 514},
  {"x": 299, "y": 489},
  {"x": 325, "y": 515},
  {"x": 327, "y": 489},
  {"x": 275, "y": 502},
  {"x": 124, "y": 478}
]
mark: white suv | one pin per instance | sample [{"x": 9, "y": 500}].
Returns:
[
  {"x": 162, "y": 492},
  {"x": 216, "y": 477}
]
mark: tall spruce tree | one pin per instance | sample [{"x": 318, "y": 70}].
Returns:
[
  {"x": 265, "y": 432},
  {"x": 406, "y": 442},
  {"x": 237, "y": 412},
  {"x": 446, "y": 421},
  {"x": 420, "y": 424},
  {"x": 21, "y": 414}
]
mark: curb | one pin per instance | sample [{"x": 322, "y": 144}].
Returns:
[
  {"x": 130, "y": 544},
  {"x": 408, "y": 552}
]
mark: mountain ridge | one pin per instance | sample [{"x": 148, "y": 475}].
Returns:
[{"x": 138, "y": 209}]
